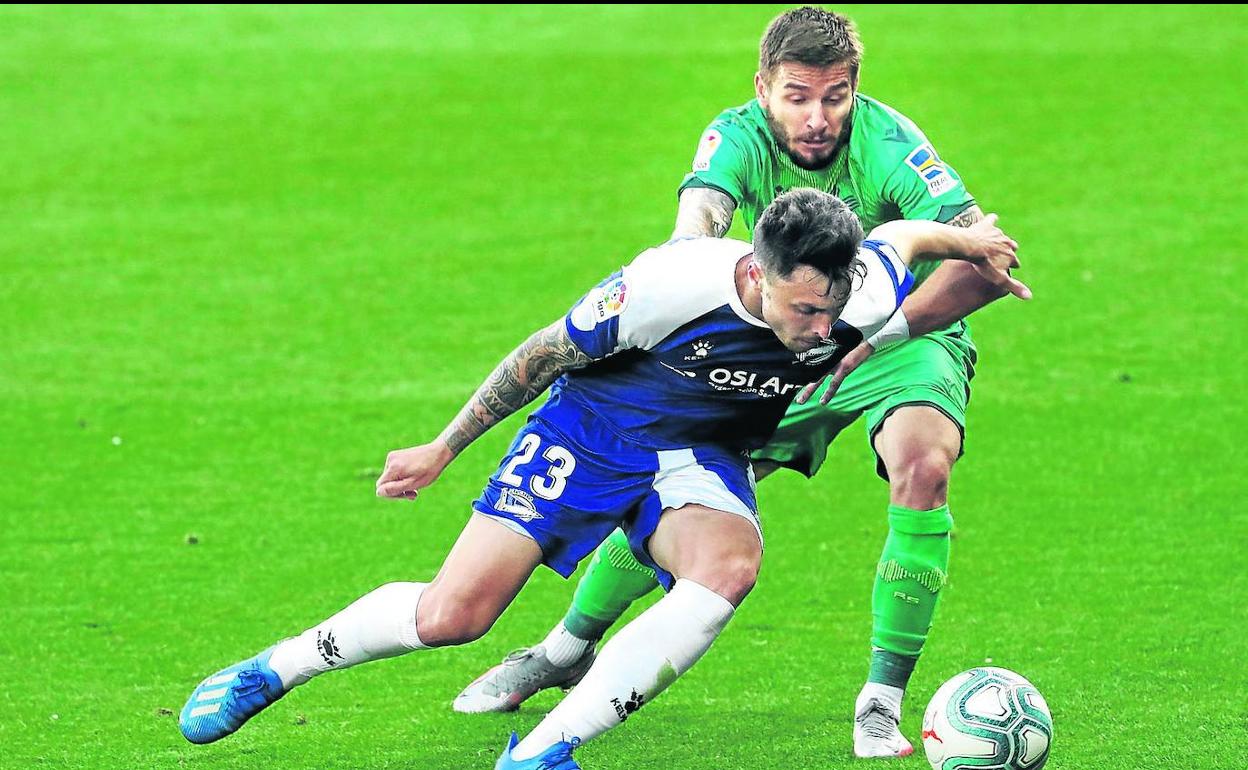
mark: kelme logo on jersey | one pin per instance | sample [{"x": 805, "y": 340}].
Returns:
[
  {"x": 750, "y": 382},
  {"x": 711, "y": 142},
  {"x": 930, "y": 169},
  {"x": 518, "y": 503},
  {"x": 606, "y": 301},
  {"x": 701, "y": 349}
]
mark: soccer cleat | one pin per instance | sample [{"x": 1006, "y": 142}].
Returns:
[
  {"x": 877, "y": 731},
  {"x": 557, "y": 757},
  {"x": 521, "y": 674},
  {"x": 224, "y": 701}
]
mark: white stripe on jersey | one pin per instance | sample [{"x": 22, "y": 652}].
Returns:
[
  {"x": 874, "y": 299},
  {"x": 672, "y": 284}
]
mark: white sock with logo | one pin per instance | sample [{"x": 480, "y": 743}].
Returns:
[
  {"x": 636, "y": 665},
  {"x": 380, "y": 624},
  {"x": 562, "y": 647}
]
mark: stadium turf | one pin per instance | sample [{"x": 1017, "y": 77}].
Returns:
[{"x": 246, "y": 252}]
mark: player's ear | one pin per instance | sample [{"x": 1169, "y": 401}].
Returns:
[{"x": 760, "y": 88}]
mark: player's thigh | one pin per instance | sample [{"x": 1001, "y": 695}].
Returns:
[
  {"x": 485, "y": 569},
  {"x": 717, "y": 549},
  {"x": 922, "y": 390},
  {"x": 700, "y": 521},
  {"x": 917, "y": 433}
]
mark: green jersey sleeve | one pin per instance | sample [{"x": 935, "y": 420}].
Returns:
[
  {"x": 724, "y": 161},
  {"x": 923, "y": 186}
]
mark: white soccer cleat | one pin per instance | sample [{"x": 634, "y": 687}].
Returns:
[
  {"x": 877, "y": 730},
  {"x": 521, "y": 675}
]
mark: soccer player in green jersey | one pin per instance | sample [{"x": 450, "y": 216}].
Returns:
[{"x": 809, "y": 127}]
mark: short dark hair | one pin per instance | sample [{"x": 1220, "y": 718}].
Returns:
[
  {"x": 811, "y": 36},
  {"x": 805, "y": 226}
]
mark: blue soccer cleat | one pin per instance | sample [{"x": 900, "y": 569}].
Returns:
[
  {"x": 224, "y": 701},
  {"x": 557, "y": 757}
]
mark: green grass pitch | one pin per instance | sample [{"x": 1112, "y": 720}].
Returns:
[{"x": 246, "y": 252}]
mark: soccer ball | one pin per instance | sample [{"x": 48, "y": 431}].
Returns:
[{"x": 987, "y": 719}]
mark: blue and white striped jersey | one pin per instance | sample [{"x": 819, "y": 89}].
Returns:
[{"x": 683, "y": 363}]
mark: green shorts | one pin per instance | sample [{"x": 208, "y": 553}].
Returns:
[{"x": 933, "y": 370}]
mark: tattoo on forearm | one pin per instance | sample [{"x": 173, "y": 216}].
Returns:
[
  {"x": 967, "y": 218},
  {"x": 520, "y": 378},
  {"x": 703, "y": 211}
]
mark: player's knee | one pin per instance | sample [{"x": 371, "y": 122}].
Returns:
[
  {"x": 731, "y": 576},
  {"x": 447, "y": 620},
  {"x": 921, "y": 479}
]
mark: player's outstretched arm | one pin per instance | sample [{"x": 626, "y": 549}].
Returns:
[
  {"x": 953, "y": 291},
  {"x": 703, "y": 212},
  {"x": 984, "y": 245},
  {"x": 518, "y": 379}
]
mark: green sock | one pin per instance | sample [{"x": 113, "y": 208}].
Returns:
[
  {"x": 912, "y": 570},
  {"x": 614, "y": 580}
]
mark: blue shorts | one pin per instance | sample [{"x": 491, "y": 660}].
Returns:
[{"x": 568, "y": 480}]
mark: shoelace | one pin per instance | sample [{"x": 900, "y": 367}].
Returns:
[
  {"x": 879, "y": 721},
  {"x": 250, "y": 682},
  {"x": 561, "y": 757}
]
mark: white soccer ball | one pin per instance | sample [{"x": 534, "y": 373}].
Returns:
[{"x": 987, "y": 719}]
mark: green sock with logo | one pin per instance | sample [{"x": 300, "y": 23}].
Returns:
[{"x": 912, "y": 571}]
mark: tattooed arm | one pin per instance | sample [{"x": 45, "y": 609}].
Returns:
[
  {"x": 520, "y": 378},
  {"x": 703, "y": 212}
]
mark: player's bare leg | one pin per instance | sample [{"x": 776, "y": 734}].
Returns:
[
  {"x": 612, "y": 582},
  {"x": 918, "y": 445},
  {"x": 484, "y": 571},
  {"x": 714, "y": 557}
]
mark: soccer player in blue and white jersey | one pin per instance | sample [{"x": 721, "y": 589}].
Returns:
[{"x": 662, "y": 378}]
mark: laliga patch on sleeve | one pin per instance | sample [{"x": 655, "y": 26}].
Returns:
[
  {"x": 711, "y": 142},
  {"x": 600, "y": 304},
  {"x": 924, "y": 162}
]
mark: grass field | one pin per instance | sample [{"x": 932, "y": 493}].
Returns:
[{"x": 246, "y": 252}]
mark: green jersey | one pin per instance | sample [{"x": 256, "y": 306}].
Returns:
[{"x": 887, "y": 171}]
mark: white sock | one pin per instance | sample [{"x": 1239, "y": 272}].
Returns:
[
  {"x": 887, "y": 694},
  {"x": 562, "y": 647},
  {"x": 636, "y": 665},
  {"x": 378, "y": 625}
]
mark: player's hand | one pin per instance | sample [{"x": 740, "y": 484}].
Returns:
[
  {"x": 852, "y": 360},
  {"x": 993, "y": 254},
  {"x": 410, "y": 470}
]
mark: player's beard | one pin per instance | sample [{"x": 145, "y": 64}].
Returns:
[{"x": 782, "y": 139}]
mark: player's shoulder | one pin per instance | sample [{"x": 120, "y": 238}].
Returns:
[
  {"x": 743, "y": 125},
  {"x": 891, "y": 152},
  {"x": 672, "y": 284},
  {"x": 881, "y": 122},
  {"x": 692, "y": 273},
  {"x": 694, "y": 261},
  {"x": 882, "y": 134},
  {"x": 880, "y": 286}
]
